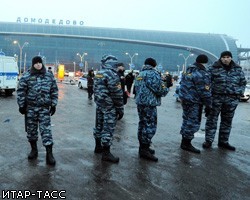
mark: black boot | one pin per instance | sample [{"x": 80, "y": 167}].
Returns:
[
  {"x": 34, "y": 152},
  {"x": 186, "y": 145},
  {"x": 50, "y": 160},
  {"x": 144, "y": 152},
  {"x": 152, "y": 151},
  {"x": 98, "y": 146},
  {"x": 107, "y": 156},
  {"x": 207, "y": 145},
  {"x": 226, "y": 145}
]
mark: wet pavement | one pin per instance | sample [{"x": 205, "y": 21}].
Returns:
[{"x": 80, "y": 174}]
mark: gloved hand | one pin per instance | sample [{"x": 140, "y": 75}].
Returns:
[
  {"x": 22, "y": 110},
  {"x": 52, "y": 110},
  {"x": 119, "y": 113},
  {"x": 207, "y": 110}
]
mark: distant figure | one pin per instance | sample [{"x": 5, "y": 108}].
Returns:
[
  {"x": 228, "y": 84},
  {"x": 129, "y": 81},
  {"x": 194, "y": 92},
  {"x": 109, "y": 106},
  {"x": 50, "y": 70},
  {"x": 120, "y": 72},
  {"x": 134, "y": 91},
  {"x": 90, "y": 83},
  {"x": 37, "y": 97},
  {"x": 168, "y": 79}
]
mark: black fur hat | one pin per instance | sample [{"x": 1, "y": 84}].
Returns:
[
  {"x": 150, "y": 61},
  {"x": 226, "y": 53},
  {"x": 202, "y": 58},
  {"x": 36, "y": 59}
]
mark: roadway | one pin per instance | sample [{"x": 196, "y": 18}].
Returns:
[{"x": 80, "y": 174}]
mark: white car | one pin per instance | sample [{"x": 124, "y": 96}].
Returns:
[
  {"x": 129, "y": 70},
  {"x": 246, "y": 95},
  {"x": 82, "y": 82}
]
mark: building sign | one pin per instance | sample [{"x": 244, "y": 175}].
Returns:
[{"x": 49, "y": 21}]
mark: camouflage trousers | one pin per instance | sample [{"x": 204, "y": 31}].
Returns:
[
  {"x": 147, "y": 123},
  {"x": 224, "y": 106},
  {"x": 105, "y": 125},
  {"x": 191, "y": 119},
  {"x": 38, "y": 117}
]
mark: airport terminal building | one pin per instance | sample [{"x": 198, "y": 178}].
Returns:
[{"x": 59, "y": 44}]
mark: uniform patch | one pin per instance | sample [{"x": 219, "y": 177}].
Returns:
[
  {"x": 119, "y": 86},
  {"x": 99, "y": 76},
  {"x": 207, "y": 87},
  {"x": 163, "y": 86},
  {"x": 32, "y": 78}
]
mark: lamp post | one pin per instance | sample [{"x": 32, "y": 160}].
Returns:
[
  {"x": 21, "y": 52},
  {"x": 74, "y": 69},
  {"x": 178, "y": 66},
  {"x": 131, "y": 58},
  {"x": 82, "y": 58},
  {"x": 45, "y": 60},
  {"x": 185, "y": 60},
  {"x": 24, "y": 63}
]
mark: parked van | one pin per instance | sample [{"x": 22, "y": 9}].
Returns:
[{"x": 8, "y": 74}]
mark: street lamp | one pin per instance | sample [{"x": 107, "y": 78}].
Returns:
[
  {"x": 82, "y": 59},
  {"x": 21, "y": 52},
  {"x": 185, "y": 59},
  {"x": 131, "y": 58}
]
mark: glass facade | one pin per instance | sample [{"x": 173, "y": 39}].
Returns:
[{"x": 60, "y": 44}]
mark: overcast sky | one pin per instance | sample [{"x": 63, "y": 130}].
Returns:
[{"x": 230, "y": 17}]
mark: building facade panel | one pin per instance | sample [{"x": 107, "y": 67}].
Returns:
[{"x": 60, "y": 44}]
